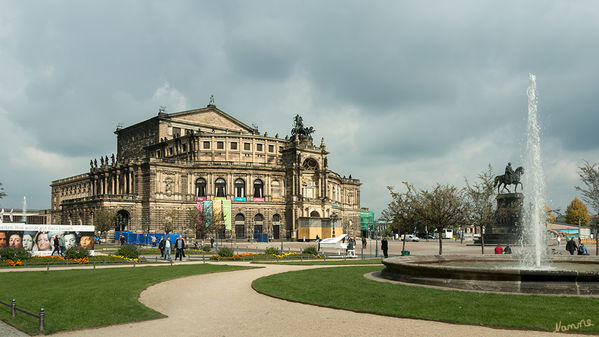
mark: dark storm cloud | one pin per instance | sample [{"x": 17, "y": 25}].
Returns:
[{"x": 409, "y": 87}]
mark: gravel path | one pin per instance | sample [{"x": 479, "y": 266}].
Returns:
[{"x": 224, "y": 304}]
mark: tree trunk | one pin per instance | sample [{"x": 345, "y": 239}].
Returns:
[
  {"x": 441, "y": 241},
  {"x": 482, "y": 240}
]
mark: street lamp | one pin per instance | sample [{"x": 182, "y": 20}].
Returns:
[{"x": 333, "y": 220}]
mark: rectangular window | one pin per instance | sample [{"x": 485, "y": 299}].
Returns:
[
  {"x": 176, "y": 132},
  {"x": 271, "y": 148},
  {"x": 259, "y": 147},
  {"x": 170, "y": 151},
  {"x": 158, "y": 154},
  {"x": 184, "y": 148},
  {"x": 206, "y": 145},
  {"x": 247, "y": 146},
  {"x": 220, "y": 145},
  {"x": 233, "y": 145}
]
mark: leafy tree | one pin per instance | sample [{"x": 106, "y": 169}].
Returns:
[
  {"x": 443, "y": 207},
  {"x": 2, "y": 194},
  {"x": 104, "y": 221},
  {"x": 401, "y": 211},
  {"x": 589, "y": 174},
  {"x": 480, "y": 202},
  {"x": 550, "y": 215},
  {"x": 577, "y": 213}
]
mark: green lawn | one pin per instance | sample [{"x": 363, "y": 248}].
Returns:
[
  {"x": 74, "y": 299},
  {"x": 346, "y": 288}
]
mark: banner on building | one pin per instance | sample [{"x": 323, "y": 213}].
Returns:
[
  {"x": 208, "y": 212},
  {"x": 227, "y": 213},
  {"x": 217, "y": 212},
  {"x": 39, "y": 239}
]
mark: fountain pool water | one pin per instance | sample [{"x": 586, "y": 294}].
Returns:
[{"x": 533, "y": 271}]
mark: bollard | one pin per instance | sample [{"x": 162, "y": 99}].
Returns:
[
  {"x": 133, "y": 264},
  {"x": 302, "y": 258},
  {"x": 325, "y": 257},
  {"x": 94, "y": 264},
  {"x": 171, "y": 262},
  {"x": 47, "y": 266},
  {"x": 203, "y": 258},
  {"x": 42, "y": 314},
  {"x": 13, "y": 307},
  {"x": 25, "y": 263}
]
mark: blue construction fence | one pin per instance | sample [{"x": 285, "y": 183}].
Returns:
[
  {"x": 260, "y": 237},
  {"x": 142, "y": 239}
]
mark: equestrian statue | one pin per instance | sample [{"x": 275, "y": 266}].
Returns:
[{"x": 511, "y": 177}]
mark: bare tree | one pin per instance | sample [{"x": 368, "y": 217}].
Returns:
[
  {"x": 401, "y": 211},
  {"x": 480, "y": 197},
  {"x": 104, "y": 221},
  {"x": 589, "y": 174},
  {"x": 443, "y": 207},
  {"x": 169, "y": 220}
]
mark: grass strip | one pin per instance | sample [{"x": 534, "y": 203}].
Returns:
[
  {"x": 346, "y": 288},
  {"x": 321, "y": 262},
  {"x": 75, "y": 299}
]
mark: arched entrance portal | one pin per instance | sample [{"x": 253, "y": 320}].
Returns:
[{"x": 122, "y": 221}]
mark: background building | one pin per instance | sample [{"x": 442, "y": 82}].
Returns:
[{"x": 177, "y": 161}]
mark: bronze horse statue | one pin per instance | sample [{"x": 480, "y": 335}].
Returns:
[{"x": 504, "y": 181}]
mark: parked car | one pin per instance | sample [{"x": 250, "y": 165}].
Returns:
[
  {"x": 425, "y": 236},
  {"x": 410, "y": 237}
]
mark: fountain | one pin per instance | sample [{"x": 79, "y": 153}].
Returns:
[
  {"x": 24, "y": 210},
  {"x": 530, "y": 272}
]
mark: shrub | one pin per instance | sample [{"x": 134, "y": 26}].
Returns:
[
  {"x": 206, "y": 248},
  {"x": 128, "y": 251},
  {"x": 271, "y": 251},
  {"x": 225, "y": 252},
  {"x": 76, "y": 253},
  {"x": 14, "y": 253},
  {"x": 311, "y": 250}
]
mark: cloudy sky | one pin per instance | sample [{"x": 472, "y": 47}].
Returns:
[{"x": 418, "y": 91}]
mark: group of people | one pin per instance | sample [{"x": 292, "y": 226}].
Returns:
[
  {"x": 165, "y": 247},
  {"x": 501, "y": 250},
  {"x": 572, "y": 247},
  {"x": 46, "y": 241}
]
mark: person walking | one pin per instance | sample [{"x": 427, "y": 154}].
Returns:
[
  {"x": 153, "y": 241},
  {"x": 56, "y": 246},
  {"x": 167, "y": 248},
  {"x": 559, "y": 241},
  {"x": 384, "y": 247},
  {"x": 62, "y": 244},
  {"x": 122, "y": 239},
  {"x": 364, "y": 242},
  {"x": 179, "y": 245},
  {"x": 571, "y": 246},
  {"x": 161, "y": 247}
]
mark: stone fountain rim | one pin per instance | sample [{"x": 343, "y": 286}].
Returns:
[{"x": 430, "y": 263}]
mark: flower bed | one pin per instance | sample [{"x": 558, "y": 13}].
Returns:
[
  {"x": 270, "y": 257},
  {"x": 59, "y": 260}
]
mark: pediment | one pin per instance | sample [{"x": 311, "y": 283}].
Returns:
[{"x": 210, "y": 117}]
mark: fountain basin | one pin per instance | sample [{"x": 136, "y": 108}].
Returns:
[{"x": 567, "y": 275}]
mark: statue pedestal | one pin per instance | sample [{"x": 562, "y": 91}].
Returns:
[{"x": 506, "y": 229}]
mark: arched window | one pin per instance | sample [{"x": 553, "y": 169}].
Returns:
[
  {"x": 314, "y": 214},
  {"x": 258, "y": 189},
  {"x": 239, "y": 188},
  {"x": 200, "y": 187},
  {"x": 258, "y": 218},
  {"x": 239, "y": 218},
  {"x": 276, "y": 218},
  {"x": 221, "y": 189},
  {"x": 258, "y": 222}
]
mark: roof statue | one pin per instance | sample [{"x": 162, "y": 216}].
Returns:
[
  {"x": 162, "y": 109},
  {"x": 299, "y": 129},
  {"x": 211, "y": 102}
]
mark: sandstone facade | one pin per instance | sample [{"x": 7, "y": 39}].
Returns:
[{"x": 172, "y": 161}]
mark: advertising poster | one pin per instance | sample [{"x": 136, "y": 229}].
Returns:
[
  {"x": 39, "y": 239},
  {"x": 227, "y": 213},
  {"x": 217, "y": 211},
  {"x": 208, "y": 211}
]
